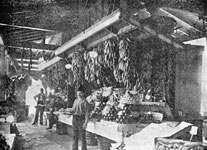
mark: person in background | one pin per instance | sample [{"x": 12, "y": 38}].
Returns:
[
  {"x": 80, "y": 111},
  {"x": 53, "y": 118},
  {"x": 40, "y": 98}
]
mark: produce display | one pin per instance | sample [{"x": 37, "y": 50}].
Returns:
[
  {"x": 131, "y": 98},
  {"x": 3, "y": 143},
  {"x": 125, "y": 116},
  {"x": 111, "y": 115},
  {"x": 175, "y": 144},
  {"x": 97, "y": 111},
  {"x": 122, "y": 106}
]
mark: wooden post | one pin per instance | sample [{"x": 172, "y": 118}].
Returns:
[
  {"x": 7, "y": 66},
  {"x": 2, "y": 61}
]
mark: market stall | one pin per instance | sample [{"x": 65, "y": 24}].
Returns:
[
  {"x": 143, "y": 84},
  {"x": 130, "y": 74},
  {"x": 116, "y": 116}
]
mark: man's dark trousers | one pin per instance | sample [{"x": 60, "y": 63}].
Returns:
[
  {"x": 39, "y": 110},
  {"x": 78, "y": 122}
]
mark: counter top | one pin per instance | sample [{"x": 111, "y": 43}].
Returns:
[{"x": 108, "y": 129}]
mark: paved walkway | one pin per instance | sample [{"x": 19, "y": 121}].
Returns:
[{"x": 36, "y": 137}]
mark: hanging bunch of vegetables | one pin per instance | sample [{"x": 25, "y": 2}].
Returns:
[
  {"x": 110, "y": 52},
  {"x": 56, "y": 77},
  {"x": 124, "y": 61},
  {"x": 128, "y": 69},
  {"x": 78, "y": 64},
  {"x": 92, "y": 67},
  {"x": 49, "y": 79},
  {"x": 170, "y": 68},
  {"x": 99, "y": 70}
]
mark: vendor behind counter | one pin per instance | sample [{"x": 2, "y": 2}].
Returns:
[{"x": 56, "y": 103}]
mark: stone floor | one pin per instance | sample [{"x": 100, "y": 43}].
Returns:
[{"x": 36, "y": 137}]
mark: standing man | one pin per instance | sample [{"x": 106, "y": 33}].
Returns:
[
  {"x": 80, "y": 111},
  {"x": 40, "y": 98}
]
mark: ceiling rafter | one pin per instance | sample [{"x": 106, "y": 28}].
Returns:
[
  {"x": 28, "y": 48},
  {"x": 27, "y": 60},
  {"x": 25, "y": 27},
  {"x": 25, "y": 33},
  {"x": 181, "y": 22}
]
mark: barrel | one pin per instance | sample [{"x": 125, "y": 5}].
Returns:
[
  {"x": 103, "y": 143},
  {"x": 91, "y": 139}
]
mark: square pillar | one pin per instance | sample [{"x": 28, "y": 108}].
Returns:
[
  {"x": 203, "y": 104},
  {"x": 188, "y": 89}
]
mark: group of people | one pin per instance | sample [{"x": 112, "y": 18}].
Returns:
[{"x": 80, "y": 111}]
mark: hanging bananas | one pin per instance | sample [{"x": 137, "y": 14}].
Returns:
[{"x": 78, "y": 66}]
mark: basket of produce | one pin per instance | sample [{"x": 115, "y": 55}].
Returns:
[{"x": 177, "y": 144}]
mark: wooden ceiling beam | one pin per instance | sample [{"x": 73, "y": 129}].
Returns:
[
  {"x": 178, "y": 20},
  {"x": 26, "y": 65},
  {"x": 158, "y": 35},
  {"x": 22, "y": 32},
  {"x": 24, "y": 27},
  {"x": 31, "y": 69},
  {"x": 103, "y": 23},
  {"x": 33, "y": 49},
  {"x": 29, "y": 35},
  {"x": 30, "y": 39},
  {"x": 33, "y": 45},
  {"x": 27, "y": 60},
  {"x": 111, "y": 35},
  {"x": 45, "y": 65}
]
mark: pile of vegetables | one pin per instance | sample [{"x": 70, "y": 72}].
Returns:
[{"x": 112, "y": 104}]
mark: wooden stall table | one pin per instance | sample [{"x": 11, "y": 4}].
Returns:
[{"x": 105, "y": 129}]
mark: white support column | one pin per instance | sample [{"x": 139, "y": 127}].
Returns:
[{"x": 202, "y": 42}]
